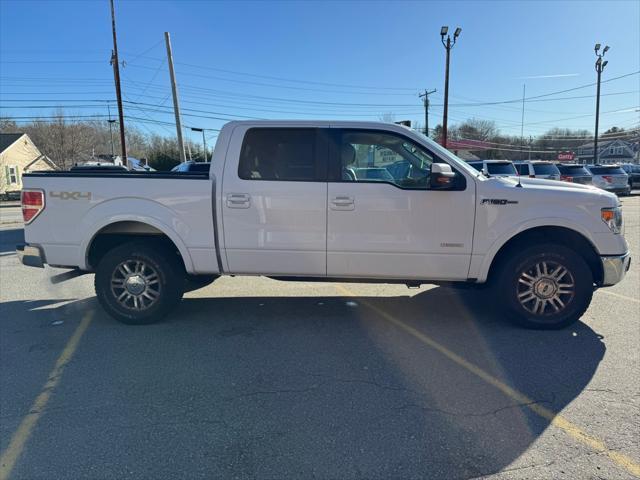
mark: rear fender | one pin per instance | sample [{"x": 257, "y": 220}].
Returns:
[{"x": 148, "y": 212}]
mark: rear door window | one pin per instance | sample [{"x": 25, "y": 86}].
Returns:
[{"x": 282, "y": 154}]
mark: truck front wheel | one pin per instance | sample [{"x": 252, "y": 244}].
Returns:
[
  {"x": 137, "y": 283},
  {"x": 545, "y": 286}
]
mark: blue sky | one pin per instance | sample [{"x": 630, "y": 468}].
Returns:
[{"x": 330, "y": 59}]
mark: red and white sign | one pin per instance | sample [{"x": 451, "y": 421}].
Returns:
[{"x": 566, "y": 156}]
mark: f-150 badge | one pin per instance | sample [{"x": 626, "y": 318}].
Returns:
[{"x": 496, "y": 201}]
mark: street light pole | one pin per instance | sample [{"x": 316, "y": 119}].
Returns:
[
  {"x": 111, "y": 122},
  {"x": 448, "y": 45},
  {"x": 599, "y": 68},
  {"x": 204, "y": 140}
]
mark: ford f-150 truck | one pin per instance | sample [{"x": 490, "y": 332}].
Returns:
[{"x": 327, "y": 201}]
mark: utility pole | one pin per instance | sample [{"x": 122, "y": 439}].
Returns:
[
  {"x": 176, "y": 106},
  {"x": 204, "y": 140},
  {"x": 599, "y": 68},
  {"x": 116, "y": 76},
  {"x": 448, "y": 45},
  {"x": 425, "y": 96}
]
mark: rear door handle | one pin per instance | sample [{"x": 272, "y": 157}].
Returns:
[
  {"x": 343, "y": 203},
  {"x": 238, "y": 200}
]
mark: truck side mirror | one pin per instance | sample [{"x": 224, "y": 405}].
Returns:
[{"x": 442, "y": 177}]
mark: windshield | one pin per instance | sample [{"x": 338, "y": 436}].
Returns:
[
  {"x": 607, "y": 171},
  {"x": 545, "y": 169},
  {"x": 505, "y": 168}
]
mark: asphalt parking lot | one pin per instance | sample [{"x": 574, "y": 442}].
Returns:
[{"x": 254, "y": 378}]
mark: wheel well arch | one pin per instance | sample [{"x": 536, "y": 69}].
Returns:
[
  {"x": 117, "y": 233},
  {"x": 551, "y": 234}
]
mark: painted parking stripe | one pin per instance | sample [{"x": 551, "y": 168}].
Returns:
[
  {"x": 21, "y": 436},
  {"x": 617, "y": 295},
  {"x": 556, "y": 419}
]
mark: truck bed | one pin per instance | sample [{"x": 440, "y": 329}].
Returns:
[{"x": 79, "y": 205}]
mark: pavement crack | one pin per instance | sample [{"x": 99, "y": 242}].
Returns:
[
  {"x": 274, "y": 392},
  {"x": 470, "y": 414}
]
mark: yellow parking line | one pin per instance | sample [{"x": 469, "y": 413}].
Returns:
[
  {"x": 22, "y": 434},
  {"x": 624, "y": 297},
  {"x": 556, "y": 419}
]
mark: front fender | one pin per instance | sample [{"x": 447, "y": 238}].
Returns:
[
  {"x": 481, "y": 264},
  {"x": 148, "y": 212}
]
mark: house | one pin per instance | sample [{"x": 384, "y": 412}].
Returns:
[
  {"x": 18, "y": 155},
  {"x": 609, "y": 151}
]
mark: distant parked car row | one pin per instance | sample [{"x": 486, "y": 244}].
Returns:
[{"x": 619, "y": 179}]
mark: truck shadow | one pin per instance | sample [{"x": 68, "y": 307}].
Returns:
[
  {"x": 332, "y": 387},
  {"x": 10, "y": 238}
]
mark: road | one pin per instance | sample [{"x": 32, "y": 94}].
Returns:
[{"x": 254, "y": 378}]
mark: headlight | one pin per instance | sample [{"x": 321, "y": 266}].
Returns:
[{"x": 613, "y": 218}]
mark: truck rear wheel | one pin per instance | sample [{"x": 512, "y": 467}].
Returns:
[
  {"x": 544, "y": 286},
  {"x": 137, "y": 283}
]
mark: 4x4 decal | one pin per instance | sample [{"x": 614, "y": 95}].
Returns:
[{"x": 71, "y": 195}]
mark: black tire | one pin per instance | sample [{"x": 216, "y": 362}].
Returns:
[
  {"x": 196, "y": 282},
  {"x": 160, "y": 276},
  {"x": 548, "y": 302}
]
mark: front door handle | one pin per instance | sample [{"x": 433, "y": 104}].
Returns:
[
  {"x": 238, "y": 200},
  {"x": 343, "y": 202}
]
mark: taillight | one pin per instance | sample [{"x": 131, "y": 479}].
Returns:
[
  {"x": 566, "y": 178},
  {"x": 607, "y": 178},
  {"x": 32, "y": 204}
]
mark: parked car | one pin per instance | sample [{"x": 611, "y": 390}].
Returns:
[
  {"x": 633, "y": 170},
  {"x": 538, "y": 169},
  {"x": 10, "y": 195},
  {"x": 575, "y": 173},
  {"x": 277, "y": 204},
  {"x": 494, "y": 168},
  {"x": 611, "y": 178},
  {"x": 192, "y": 167}
]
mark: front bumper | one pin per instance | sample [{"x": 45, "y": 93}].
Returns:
[
  {"x": 614, "y": 268},
  {"x": 30, "y": 255}
]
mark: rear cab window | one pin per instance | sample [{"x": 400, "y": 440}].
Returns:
[
  {"x": 574, "y": 170},
  {"x": 545, "y": 169},
  {"x": 607, "y": 171},
  {"x": 282, "y": 154},
  {"x": 502, "y": 168}
]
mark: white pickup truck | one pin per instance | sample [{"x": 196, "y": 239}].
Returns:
[{"x": 327, "y": 201}]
